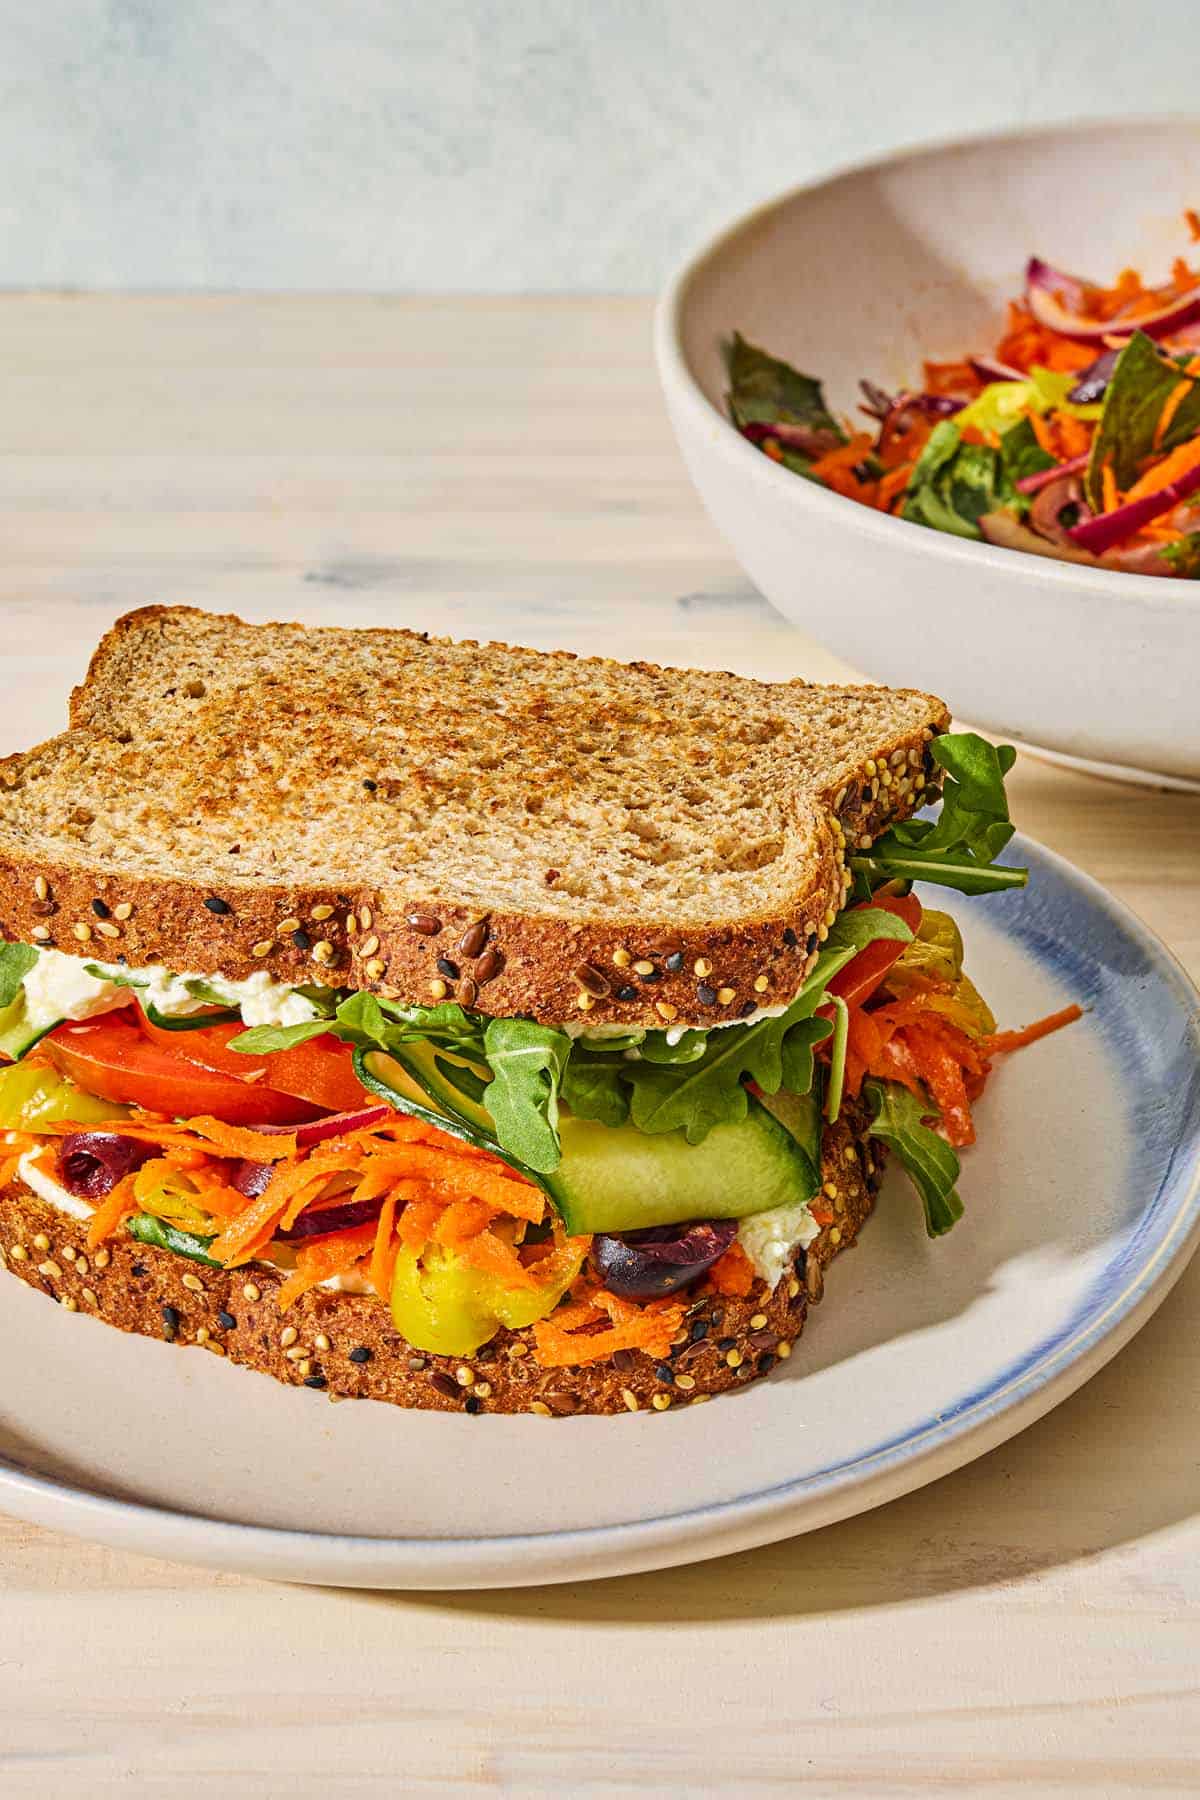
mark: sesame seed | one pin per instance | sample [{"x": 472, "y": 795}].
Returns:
[
  {"x": 107, "y": 930},
  {"x": 360, "y": 1354},
  {"x": 215, "y": 904},
  {"x": 885, "y": 779},
  {"x": 745, "y": 1009},
  {"x": 90, "y": 1296},
  {"x": 584, "y": 1002},
  {"x": 849, "y": 1154},
  {"x": 699, "y": 1399},
  {"x": 194, "y": 1283},
  {"x": 665, "y": 1010},
  {"x": 226, "y": 1321},
  {"x": 630, "y": 1399},
  {"x": 69, "y": 1304},
  {"x": 686, "y": 1382},
  {"x": 321, "y": 1342},
  {"x": 316, "y": 1381},
  {"x": 627, "y": 993},
  {"x": 447, "y": 968},
  {"x": 815, "y": 1281},
  {"x": 839, "y": 1205},
  {"x": 303, "y": 1366},
  {"x": 707, "y": 996},
  {"x": 369, "y": 784},
  {"x": 301, "y": 939},
  {"x": 660, "y": 1402},
  {"x": 874, "y": 790},
  {"x": 621, "y": 958},
  {"x": 473, "y": 1405},
  {"x": 81, "y": 1265},
  {"x": 40, "y": 933},
  {"x": 286, "y": 925},
  {"x": 297, "y": 1353},
  {"x": 263, "y": 947},
  {"x": 734, "y": 1358},
  {"x": 541, "y": 1409},
  {"x": 830, "y": 1189},
  {"x": 701, "y": 967},
  {"x": 518, "y": 1350},
  {"x": 69, "y": 1253},
  {"x": 288, "y": 1336},
  {"x": 351, "y": 925},
  {"x": 664, "y": 1372},
  {"x": 124, "y": 910},
  {"x": 170, "y": 1319},
  {"x": 417, "y": 1363},
  {"x": 822, "y": 933},
  {"x": 869, "y": 765},
  {"x": 918, "y": 782},
  {"x": 643, "y": 967},
  {"x": 82, "y": 932},
  {"x": 375, "y": 968},
  {"x": 250, "y": 1292},
  {"x": 101, "y": 909},
  {"x": 838, "y": 798},
  {"x": 726, "y": 994},
  {"x": 757, "y": 1321},
  {"x": 438, "y": 989},
  {"x": 783, "y": 1349},
  {"x": 324, "y": 911},
  {"x": 483, "y": 1389},
  {"x": 835, "y": 1236},
  {"x": 699, "y": 1331},
  {"x": 19, "y": 1253},
  {"x": 103, "y": 1258},
  {"x": 41, "y": 1241},
  {"x": 203, "y": 1335},
  {"x": 41, "y": 887},
  {"x": 464, "y": 1376},
  {"x": 323, "y": 951},
  {"x": 365, "y": 917},
  {"x": 369, "y": 945},
  {"x": 673, "y": 963},
  {"x": 761, "y": 984}
]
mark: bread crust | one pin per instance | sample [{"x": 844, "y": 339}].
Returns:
[
  {"x": 418, "y": 949},
  {"x": 156, "y": 1294}
]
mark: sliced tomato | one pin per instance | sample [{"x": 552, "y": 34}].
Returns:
[
  {"x": 321, "y": 1070},
  {"x": 110, "y": 1057},
  {"x": 860, "y": 978}
]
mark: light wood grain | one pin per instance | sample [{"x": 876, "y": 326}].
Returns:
[{"x": 503, "y": 469}]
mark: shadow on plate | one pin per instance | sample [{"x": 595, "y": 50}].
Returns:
[{"x": 1113, "y": 1464}]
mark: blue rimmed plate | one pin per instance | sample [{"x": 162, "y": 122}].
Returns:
[{"x": 1083, "y": 1206}]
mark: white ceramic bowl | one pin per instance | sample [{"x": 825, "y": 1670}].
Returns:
[{"x": 866, "y": 273}]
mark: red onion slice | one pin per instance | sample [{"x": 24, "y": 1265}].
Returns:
[
  {"x": 1033, "y": 484},
  {"x": 988, "y": 369},
  {"x": 1110, "y": 528},
  {"x": 1044, "y": 285},
  {"x": 332, "y": 1125}
]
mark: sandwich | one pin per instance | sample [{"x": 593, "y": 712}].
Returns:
[{"x": 477, "y": 1029}]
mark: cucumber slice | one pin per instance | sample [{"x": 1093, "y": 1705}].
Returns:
[
  {"x": 17, "y": 1035},
  {"x": 454, "y": 1085},
  {"x": 800, "y": 1115},
  {"x": 623, "y": 1180},
  {"x": 161, "y": 1236},
  {"x": 389, "y": 1078},
  {"x": 222, "y": 1015}
]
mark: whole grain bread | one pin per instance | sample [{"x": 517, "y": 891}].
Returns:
[
  {"x": 346, "y": 1346},
  {"x": 529, "y": 833}
]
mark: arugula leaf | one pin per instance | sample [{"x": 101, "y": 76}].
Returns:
[
  {"x": 955, "y": 484},
  {"x": 121, "y": 981},
  {"x": 765, "y": 391},
  {"x": 593, "y": 1089},
  {"x": 1184, "y": 556},
  {"x": 930, "y": 1163},
  {"x": 527, "y": 1063},
  {"x": 959, "y": 848},
  {"x": 1138, "y": 389},
  {"x": 264, "y": 1040},
  {"x": 16, "y": 960},
  {"x": 446, "y": 1024}
]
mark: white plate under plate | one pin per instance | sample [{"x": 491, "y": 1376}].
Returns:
[{"x": 1083, "y": 1205}]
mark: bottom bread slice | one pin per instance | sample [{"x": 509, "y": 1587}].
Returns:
[{"x": 346, "y": 1346}]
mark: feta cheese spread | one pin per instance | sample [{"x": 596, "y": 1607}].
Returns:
[
  {"x": 771, "y": 1239},
  {"x": 66, "y": 987},
  {"x": 49, "y": 1190}
]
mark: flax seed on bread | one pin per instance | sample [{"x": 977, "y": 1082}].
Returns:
[
  {"x": 346, "y": 1345},
  {"x": 430, "y": 819}
]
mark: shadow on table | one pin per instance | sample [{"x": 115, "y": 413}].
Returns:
[{"x": 1115, "y": 1463}]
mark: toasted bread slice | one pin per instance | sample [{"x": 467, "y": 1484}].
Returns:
[
  {"x": 528, "y": 833},
  {"x": 351, "y": 1349}
]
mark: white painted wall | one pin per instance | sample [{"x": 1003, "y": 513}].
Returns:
[{"x": 508, "y": 145}]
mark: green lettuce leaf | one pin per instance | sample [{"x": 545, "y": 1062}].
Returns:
[
  {"x": 527, "y": 1063},
  {"x": 955, "y": 484},
  {"x": 765, "y": 391},
  {"x": 959, "y": 848},
  {"x": 1140, "y": 385},
  {"x": 1021, "y": 455},
  {"x": 1184, "y": 556},
  {"x": 100, "y": 973},
  {"x": 929, "y": 1161},
  {"x": 16, "y": 960}
]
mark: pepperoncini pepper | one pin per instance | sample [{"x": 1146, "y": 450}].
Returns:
[{"x": 443, "y": 1305}]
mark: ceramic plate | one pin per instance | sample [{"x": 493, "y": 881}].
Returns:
[{"x": 1083, "y": 1201}]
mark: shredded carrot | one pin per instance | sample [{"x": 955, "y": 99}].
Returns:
[
  {"x": 110, "y": 1212},
  {"x": 1002, "y": 1042},
  {"x": 1192, "y": 221},
  {"x": 824, "y": 1215},
  {"x": 1174, "y": 401},
  {"x": 487, "y": 1254},
  {"x": 1168, "y": 469},
  {"x": 383, "y": 1256},
  {"x": 893, "y": 485},
  {"x": 417, "y": 1223},
  {"x": 462, "y": 1220},
  {"x": 315, "y": 1263},
  {"x": 846, "y": 456},
  {"x": 556, "y": 1347},
  {"x": 1110, "y": 493},
  {"x": 733, "y": 1273}
]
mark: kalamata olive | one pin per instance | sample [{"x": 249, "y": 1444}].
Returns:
[
  {"x": 641, "y": 1264},
  {"x": 90, "y": 1163},
  {"x": 251, "y": 1178},
  {"x": 316, "y": 1222}
]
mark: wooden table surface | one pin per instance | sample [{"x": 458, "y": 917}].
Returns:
[{"x": 502, "y": 468}]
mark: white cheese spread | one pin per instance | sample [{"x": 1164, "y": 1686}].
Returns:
[
  {"x": 60, "y": 987},
  {"x": 49, "y": 1190},
  {"x": 771, "y": 1239}
]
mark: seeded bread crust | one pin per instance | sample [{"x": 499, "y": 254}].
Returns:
[
  {"x": 102, "y": 828},
  {"x": 158, "y": 1295}
]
